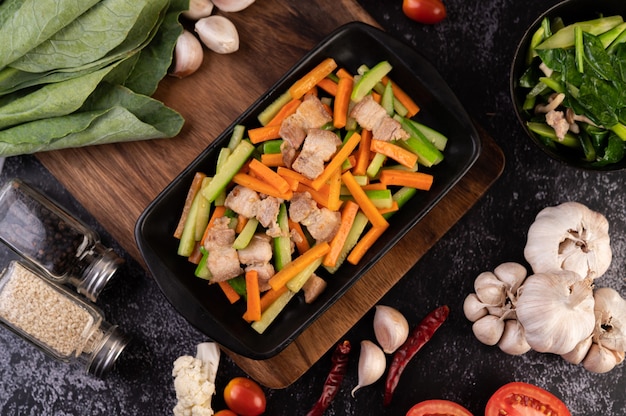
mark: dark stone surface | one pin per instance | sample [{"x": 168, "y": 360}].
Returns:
[{"x": 472, "y": 49}]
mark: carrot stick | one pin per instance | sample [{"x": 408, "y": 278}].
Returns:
[
  {"x": 363, "y": 154},
  {"x": 258, "y": 185},
  {"x": 419, "y": 180},
  {"x": 395, "y": 152},
  {"x": 266, "y": 174},
  {"x": 404, "y": 98},
  {"x": 218, "y": 212},
  {"x": 242, "y": 220},
  {"x": 272, "y": 159},
  {"x": 270, "y": 296},
  {"x": 295, "y": 266},
  {"x": 309, "y": 80},
  {"x": 393, "y": 208},
  {"x": 195, "y": 186},
  {"x": 328, "y": 85},
  {"x": 344, "y": 73},
  {"x": 377, "y": 186},
  {"x": 368, "y": 208},
  {"x": 337, "y": 160},
  {"x": 342, "y": 101},
  {"x": 348, "y": 214},
  {"x": 285, "y": 111},
  {"x": 320, "y": 196},
  {"x": 334, "y": 191},
  {"x": 293, "y": 183},
  {"x": 302, "y": 244},
  {"x": 290, "y": 173},
  {"x": 253, "y": 296},
  {"x": 230, "y": 293},
  {"x": 365, "y": 243},
  {"x": 262, "y": 134}
]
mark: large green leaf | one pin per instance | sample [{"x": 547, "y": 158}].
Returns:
[{"x": 34, "y": 22}]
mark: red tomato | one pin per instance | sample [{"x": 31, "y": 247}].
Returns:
[
  {"x": 225, "y": 412},
  {"x": 523, "y": 399},
  {"x": 438, "y": 407},
  {"x": 424, "y": 11},
  {"x": 244, "y": 397}
]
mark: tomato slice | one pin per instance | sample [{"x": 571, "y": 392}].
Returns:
[
  {"x": 439, "y": 408},
  {"x": 523, "y": 399},
  {"x": 424, "y": 11}
]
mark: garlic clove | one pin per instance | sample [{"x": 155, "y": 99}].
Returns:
[
  {"x": 512, "y": 274},
  {"x": 390, "y": 327},
  {"x": 198, "y": 9},
  {"x": 188, "y": 55},
  {"x": 473, "y": 308},
  {"x": 218, "y": 34},
  {"x": 488, "y": 329},
  {"x": 513, "y": 341},
  {"x": 577, "y": 355},
  {"x": 232, "y": 5},
  {"x": 610, "y": 313},
  {"x": 372, "y": 364},
  {"x": 599, "y": 359},
  {"x": 489, "y": 289}
]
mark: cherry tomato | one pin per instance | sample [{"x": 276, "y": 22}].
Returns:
[
  {"x": 244, "y": 397},
  {"x": 438, "y": 407},
  {"x": 225, "y": 412},
  {"x": 518, "y": 398},
  {"x": 424, "y": 11}
]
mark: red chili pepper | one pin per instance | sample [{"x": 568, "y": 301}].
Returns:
[
  {"x": 334, "y": 379},
  {"x": 420, "y": 335}
]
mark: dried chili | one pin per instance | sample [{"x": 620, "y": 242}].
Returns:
[
  {"x": 420, "y": 335},
  {"x": 333, "y": 380}
]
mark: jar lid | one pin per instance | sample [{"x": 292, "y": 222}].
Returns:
[
  {"x": 102, "y": 263},
  {"x": 111, "y": 346}
]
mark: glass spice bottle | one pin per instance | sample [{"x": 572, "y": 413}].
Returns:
[
  {"x": 63, "y": 247},
  {"x": 59, "y": 322}
]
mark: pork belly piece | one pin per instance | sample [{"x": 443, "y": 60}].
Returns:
[
  {"x": 220, "y": 234},
  {"x": 223, "y": 262},
  {"x": 322, "y": 224},
  {"x": 267, "y": 214},
  {"x": 301, "y": 206},
  {"x": 264, "y": 272},
  {"x": 319, "y": 146},
  {"x": 258, "y": 251},
  {"x": 372, "y": 116},
  {"x": 311, "y": 114},
  {"x": 242, "y": 200},
  {"x": 313, "y": 287}
]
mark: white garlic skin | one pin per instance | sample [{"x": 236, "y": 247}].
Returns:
[
  {"x": 556, "y": 311},
  {"x": 390, "y": 327},
  {"x": 488, "y": 329},
  {"x": 610, "y": 312},
  {"x": 569, "y": 236},
  {"x": 372, "y": 364},
  {"x": 232, "y": 5},
  {"x": 218, "y": 34},
  {"x": 188, "y": 55},
  {"x": 198, "y": 9}
]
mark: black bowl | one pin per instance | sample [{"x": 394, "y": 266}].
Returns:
[
  {"x": 570, "y": 11},
  {"x": 201, "y": 304}
]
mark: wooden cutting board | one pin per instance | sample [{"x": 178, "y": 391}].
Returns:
[{"x": 116, "y": 182}]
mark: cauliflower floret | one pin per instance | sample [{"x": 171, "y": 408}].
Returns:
[{"x": 194, "y": 381}]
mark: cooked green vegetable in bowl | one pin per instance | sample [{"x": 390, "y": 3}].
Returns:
[{"x": 568, "y": 83}]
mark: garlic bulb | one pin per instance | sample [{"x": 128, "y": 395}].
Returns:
[
  {"x": 556, "y": 310},
  {"x": 218, "y": 34},
  {"x": 198, "y": 9},
  {"x": 569, "y": 236},
  {"x": 513, "y": 340},
  {"x": 232, "y": 5},
  {"x": 188, "y": 55},
  {"x": 390, "y": 327},
  {"x": 372, "y": 364}
]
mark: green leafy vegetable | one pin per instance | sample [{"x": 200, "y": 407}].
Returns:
[{"x": 76, "y": 75}]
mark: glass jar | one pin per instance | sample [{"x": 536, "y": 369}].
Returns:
[
  {"x": 64, "y": 248},
  {"x": 59, "y": 322}
]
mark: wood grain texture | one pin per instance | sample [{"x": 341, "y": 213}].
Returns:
[{"x": 116, "y": 182}]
